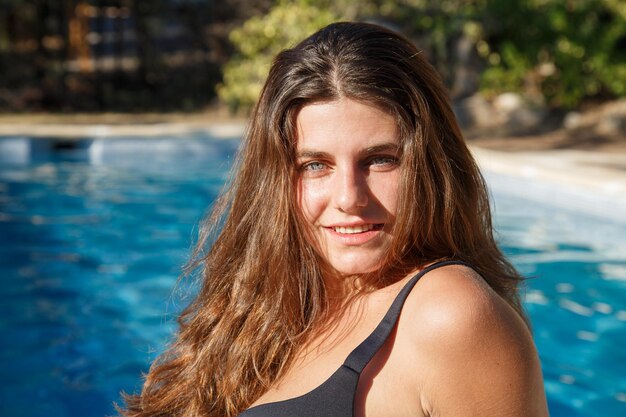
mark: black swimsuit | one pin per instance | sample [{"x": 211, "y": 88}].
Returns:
[{"x": 335, "y": 396}]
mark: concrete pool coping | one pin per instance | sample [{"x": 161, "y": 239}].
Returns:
[
  {"x": 592, "y": 172},
  {"x": 599, "y": 178},
  {"x": 588, "y": 181},
  {"x": 97, "y": 131}
]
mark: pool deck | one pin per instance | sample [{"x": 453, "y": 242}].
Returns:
[
  {"x": 592, "y": 172},
  {"x": 589, "y": 181},
  {"x": 598, "y": 176}
]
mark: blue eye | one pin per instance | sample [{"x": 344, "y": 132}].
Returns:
[
  {"x": 313, "y": 166},
  {"x": 383, "y": 160}
]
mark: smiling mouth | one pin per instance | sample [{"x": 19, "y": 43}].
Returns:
[{"x": 350, "y": 230}]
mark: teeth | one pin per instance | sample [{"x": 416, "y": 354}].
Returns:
[{"x": 354, "y": 229}]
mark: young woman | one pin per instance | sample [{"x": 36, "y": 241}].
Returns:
[{"x": 353, "y": 268}]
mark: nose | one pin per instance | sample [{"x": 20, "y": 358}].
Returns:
[{"x": 350, "y": 192}]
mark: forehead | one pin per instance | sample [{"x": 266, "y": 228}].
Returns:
[{"x": 344, "y": 122}]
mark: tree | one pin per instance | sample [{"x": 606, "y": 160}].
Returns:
[{"x": 259, "y": 40}]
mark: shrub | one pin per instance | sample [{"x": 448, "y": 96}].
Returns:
[
  {"x": 259, "y": 40},
  {"x": 566, "y": 50},
  {"x": 560, "y": 51}
]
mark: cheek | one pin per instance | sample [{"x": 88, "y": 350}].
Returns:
[
  {"x": 387, "y": 191},
  {"x": 311, "y": 198}
]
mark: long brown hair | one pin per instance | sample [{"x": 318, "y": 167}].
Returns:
[{"x": 262, "y": 290}]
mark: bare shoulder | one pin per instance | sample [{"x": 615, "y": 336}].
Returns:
[
  {"x": 454, "y": 300},
  {"x": 475, "y": 354}
]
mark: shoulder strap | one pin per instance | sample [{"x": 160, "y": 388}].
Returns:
[{"x": 363, "y": 353}]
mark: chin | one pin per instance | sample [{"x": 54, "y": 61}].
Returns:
[{"x": 356, "y": 268}]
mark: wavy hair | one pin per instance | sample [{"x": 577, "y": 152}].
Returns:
[{"x": 262, "y": 292}]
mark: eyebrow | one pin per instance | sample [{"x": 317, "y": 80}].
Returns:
[{"x": 383, "y": 147}]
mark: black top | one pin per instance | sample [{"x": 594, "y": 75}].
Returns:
[{"x": 335, "y": 396}]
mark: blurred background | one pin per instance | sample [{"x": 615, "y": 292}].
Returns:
[
  {"x": 165, "y": 55},
  {"x": 120, "y": 119}
]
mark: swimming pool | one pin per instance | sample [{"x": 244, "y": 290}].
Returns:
[{"x": 93, "y": 234}]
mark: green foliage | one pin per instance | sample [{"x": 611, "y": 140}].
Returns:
[
  {"x": 259, "y": 40},
  {"x": 566, "y": 50},
  {"x": 436, "y": 25},
  {"x": 562, "y": 50}
]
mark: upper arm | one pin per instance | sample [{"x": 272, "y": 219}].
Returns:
[{"x": 477, "y": 357}]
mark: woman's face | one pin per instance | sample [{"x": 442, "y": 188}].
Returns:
[{"x": 348, "y": 161}]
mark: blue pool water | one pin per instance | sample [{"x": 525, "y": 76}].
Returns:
[{"x": 92, "y": 240}]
